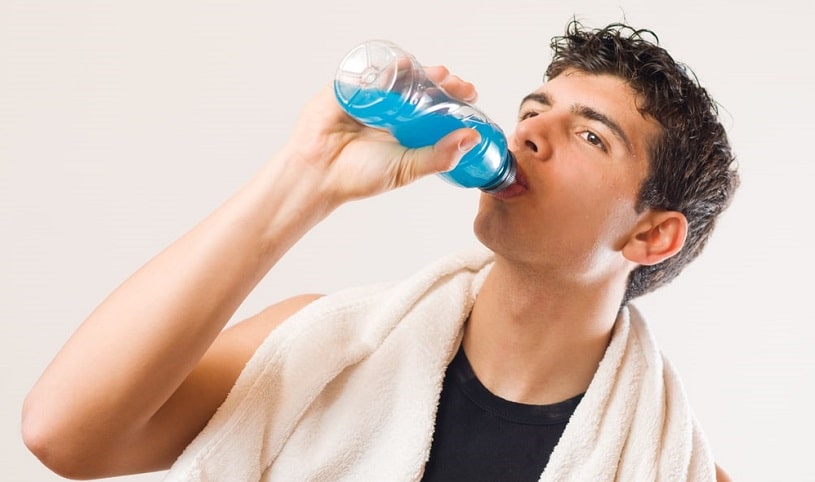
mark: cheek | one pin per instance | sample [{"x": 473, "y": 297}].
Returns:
[
  {"x": 616, "y": 216},
  {"x": 601, "y": 206},
  {"x": 585, "y": 196}
]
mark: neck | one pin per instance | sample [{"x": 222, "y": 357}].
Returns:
[{"x": 532, "y": 340}]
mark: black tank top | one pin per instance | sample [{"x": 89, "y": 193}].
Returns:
[{"x": 482, "y": 437}]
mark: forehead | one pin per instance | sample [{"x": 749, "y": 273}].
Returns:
[{"x": 603, "y": 89}]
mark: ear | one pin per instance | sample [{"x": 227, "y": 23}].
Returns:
[{"x": 660, "y": 235}]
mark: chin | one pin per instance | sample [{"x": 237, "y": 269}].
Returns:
[
  {"x": 490, "y": 230},
  {"x": 504, "y": 233}
]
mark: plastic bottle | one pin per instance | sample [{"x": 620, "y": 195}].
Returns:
[{"x": 383, "y": 86}]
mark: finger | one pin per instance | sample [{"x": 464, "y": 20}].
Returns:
[
  {"x": 436, "y": 73},
  {"x": 452, "y": 84}
]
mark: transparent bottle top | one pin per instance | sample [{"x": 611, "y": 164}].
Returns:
[{"x": 369, "y": 70}]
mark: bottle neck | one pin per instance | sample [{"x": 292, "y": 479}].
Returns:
[{"x": 507, "y": 176}]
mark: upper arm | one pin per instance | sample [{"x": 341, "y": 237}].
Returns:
[{"x": 189, "y": 409}]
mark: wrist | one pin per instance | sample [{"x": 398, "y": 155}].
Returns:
[{"x": 288, "y": 199}]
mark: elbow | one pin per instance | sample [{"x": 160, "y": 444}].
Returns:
[
  {"x": 47, "y": 448},
  {"x": 57, "y": 448}
]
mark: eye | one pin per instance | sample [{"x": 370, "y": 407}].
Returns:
[
  {"x": 526, "y": 115},
  {"x": 594, "y": 140}
]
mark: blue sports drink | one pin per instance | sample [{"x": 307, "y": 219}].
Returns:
[{"x": 382, "y": 86}]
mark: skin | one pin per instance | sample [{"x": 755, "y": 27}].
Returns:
[
  {"x": 565, "y": 243},
  {"x": 146, "y": 370}
]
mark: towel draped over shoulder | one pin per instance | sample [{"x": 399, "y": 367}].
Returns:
[{"x": 347, "y": 389}]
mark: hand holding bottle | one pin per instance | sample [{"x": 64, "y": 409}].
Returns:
[{"x": 353, "y": 161}]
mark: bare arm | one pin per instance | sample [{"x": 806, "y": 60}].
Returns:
[
  {"x": 721, "y": 475},
  {"x": 146, "y": 370}
]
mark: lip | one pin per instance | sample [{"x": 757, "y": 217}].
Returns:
[{"x": 515, "y": 189}]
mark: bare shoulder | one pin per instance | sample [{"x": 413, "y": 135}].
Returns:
[
  {"x": 228, "y": 355},
  {"x": 721, "y": 475},
  {"x": 239, "y": 342}
]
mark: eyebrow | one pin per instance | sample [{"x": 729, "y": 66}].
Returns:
[{"x": 585, "y": 112}]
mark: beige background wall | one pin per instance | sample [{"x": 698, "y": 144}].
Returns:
[{"x": 124, "y": 123}]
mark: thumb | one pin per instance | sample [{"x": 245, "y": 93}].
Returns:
[{"x": 448, "y": 151}]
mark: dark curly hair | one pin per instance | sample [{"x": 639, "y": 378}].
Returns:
[{"x": 691, "y": 165}]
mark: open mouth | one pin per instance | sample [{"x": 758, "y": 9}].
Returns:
[{"x": 515, "y": 189}]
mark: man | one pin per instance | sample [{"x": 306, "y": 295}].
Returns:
[{"x": 623, "y": 169}]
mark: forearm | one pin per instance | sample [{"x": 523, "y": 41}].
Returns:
[{"x": 137, "y": 347}]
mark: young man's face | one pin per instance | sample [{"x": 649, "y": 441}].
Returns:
[{"x": 582, "y": 147}]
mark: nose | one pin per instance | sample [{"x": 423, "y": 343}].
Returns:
[{"x": 532, "y": 137}]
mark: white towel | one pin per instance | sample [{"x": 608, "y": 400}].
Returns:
[{"x": 347, "y": 389}]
